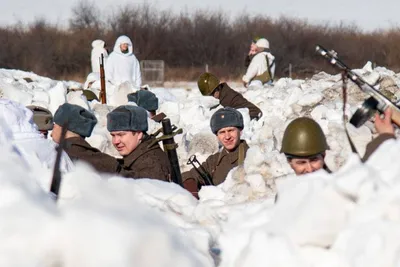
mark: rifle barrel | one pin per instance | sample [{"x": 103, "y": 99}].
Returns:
[
  {"x": 56, "y": 180},
  {"x": 103, "y": 97}
]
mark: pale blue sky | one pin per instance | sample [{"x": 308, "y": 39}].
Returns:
[{"x": 369, "y": 15}]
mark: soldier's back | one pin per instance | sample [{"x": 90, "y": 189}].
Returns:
[{"x": 78, "y": 149}]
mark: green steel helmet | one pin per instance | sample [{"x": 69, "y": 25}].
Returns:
[
  {"x": 90, "y": 95},
  {"x": 304, "y": 137},
  {"x": 255, "y": 39},
  {"x": 207, "y": 82},
  {"x": 42, "y": 117}
]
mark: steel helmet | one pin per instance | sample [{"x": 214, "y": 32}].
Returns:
[
  {"x": 207, "y": 82},
  {"x": 90, "y": 95},
  {"x": 304, "y": 137},
  {"x": 42, "y": 117}
]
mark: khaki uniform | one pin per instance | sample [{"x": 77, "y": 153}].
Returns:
[
  {"x": 146, "y": 161},
  {"x": 217, "y": 165},
  {"x": 78, "y": 149},
  {"x": 230, "y": 98}
]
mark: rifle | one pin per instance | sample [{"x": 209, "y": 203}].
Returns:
[
  {"x": 376, "y": 101},
  {"x": 56, "y": 180},
  {"x": 203, "y": 173},
  {"x": 103, "y": 98}
]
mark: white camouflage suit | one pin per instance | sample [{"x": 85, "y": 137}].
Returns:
[{"x": 123, "y": 67}]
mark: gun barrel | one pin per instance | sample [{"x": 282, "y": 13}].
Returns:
[
  {"x": 170, "y": 148},
  {"x": 382, "y": 101}
]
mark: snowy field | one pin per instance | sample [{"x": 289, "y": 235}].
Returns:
[{"x": 350, "y": 218}]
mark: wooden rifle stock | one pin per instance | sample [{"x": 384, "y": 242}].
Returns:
[{"x": 103, "y": 98}]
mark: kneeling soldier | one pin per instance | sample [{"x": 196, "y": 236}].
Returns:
[
  {"x": 142, "y": 156},
  {"x": 304, "y": 144},
  {"x": 227, "y": 125},
  {"x": 80, "y": 125},
  {"x": 209, "y": 85}
]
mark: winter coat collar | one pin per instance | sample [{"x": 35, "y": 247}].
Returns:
[
  {"x": 144, "y": 147},
  {"x": 234, "y": 155}
]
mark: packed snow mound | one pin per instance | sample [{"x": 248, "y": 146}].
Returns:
[
  {"x": 97, "y": 222},
  {"x": 261, "y": 215}
]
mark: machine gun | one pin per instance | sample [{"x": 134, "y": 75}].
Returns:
[
  {"x": 56, "y": 180},
  {"x": 103, "y": 98},
  {"x": 200, "y": 170},
  {"x": 376, "y": 101}
]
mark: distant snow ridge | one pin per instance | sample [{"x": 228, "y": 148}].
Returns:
[{"x": 261, "y": 215}]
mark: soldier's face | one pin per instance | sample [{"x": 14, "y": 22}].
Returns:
[
  {"x": 307, "y": 165},
  {"x": 216, "y": 94},
  {"x": 229, "y": 137},
  {"x": 56, "y": 133},
  {"x": 124, "y": 47},
  {"x": 253, "y": 48},
  {"x": 126, "y": 141}
]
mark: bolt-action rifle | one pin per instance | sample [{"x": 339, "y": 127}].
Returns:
[
  {"x": 56, "y": 180},
  {"x": 103, "y": 98},
  {"x": 376, "y": 101}
]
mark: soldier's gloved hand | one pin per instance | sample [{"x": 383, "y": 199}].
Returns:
[{"x": 384, "y": 125}]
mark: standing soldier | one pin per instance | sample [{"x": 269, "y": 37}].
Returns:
[
  {"x": 43, "y": 119},
  {"x": 304, "y": 144},
  {"x": 80, "y": 125},
  {"x": 122, "y": 65},
  {"x": 149, "y": 101},
  {"x": 142, "y": 156},
  {"x": 227, "y": 125},
  {"x": 98, "y": 49},
  {"x": 209, "y": 85},
  {"x": 262, "y": 66}
]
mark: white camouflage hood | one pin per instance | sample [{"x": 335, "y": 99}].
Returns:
[
  {"x": 123, "y": 39},
  {"x": 98, "y": 43}
]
